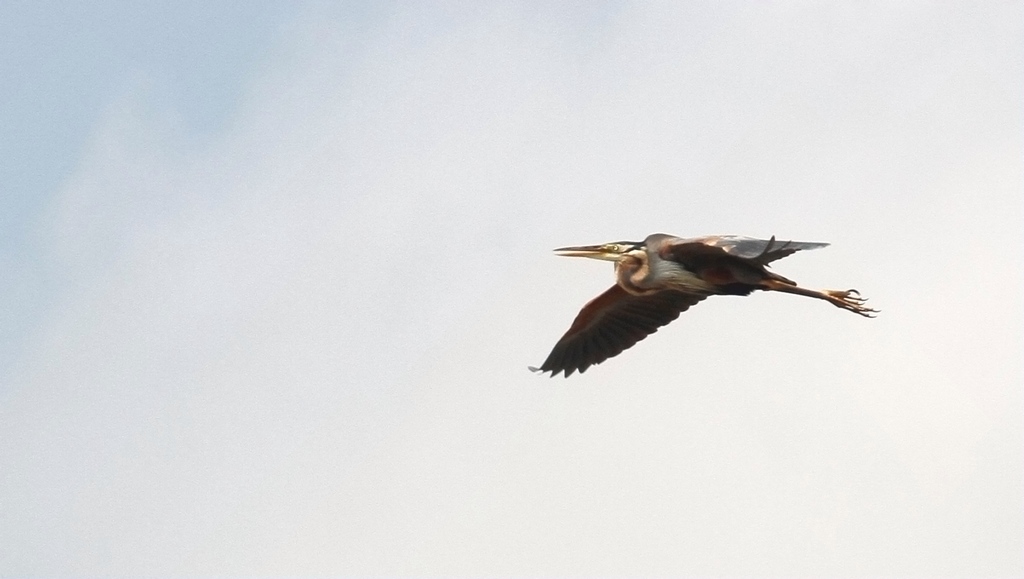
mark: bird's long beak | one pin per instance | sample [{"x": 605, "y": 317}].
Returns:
[{"x": 602, "y": 252}]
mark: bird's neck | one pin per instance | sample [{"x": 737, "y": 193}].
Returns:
[
  {"x": 632, "y": 274},
  {"x": 637, "y": 277}
]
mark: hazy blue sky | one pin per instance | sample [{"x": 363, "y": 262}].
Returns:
[{"x": 271, "y": 279}]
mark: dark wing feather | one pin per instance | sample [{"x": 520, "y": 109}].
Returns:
[
  {"x": 760, "y": 251},
  {"x": 611, "y": 323}
]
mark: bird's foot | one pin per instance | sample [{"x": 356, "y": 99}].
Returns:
[{"x": 850, "y": 300}]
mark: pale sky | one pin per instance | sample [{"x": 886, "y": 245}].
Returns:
[{"x": 272, "y": 280}]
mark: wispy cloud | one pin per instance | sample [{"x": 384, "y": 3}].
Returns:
[{"x": 301, "y": 347}]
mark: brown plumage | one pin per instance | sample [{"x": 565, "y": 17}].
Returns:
[{"x": 663, "y": 276}]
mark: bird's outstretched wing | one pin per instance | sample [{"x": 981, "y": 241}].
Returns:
[
  {"x": 611, "y": 323},
  {"x": 760, "y": 251}
]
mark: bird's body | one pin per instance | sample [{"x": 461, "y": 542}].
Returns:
[{"x": 662, "y": 276}]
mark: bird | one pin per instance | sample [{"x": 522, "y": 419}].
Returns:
[{"x": 664, "y": 275}]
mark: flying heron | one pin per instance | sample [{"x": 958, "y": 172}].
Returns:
[{"x": 662, "y": 276}]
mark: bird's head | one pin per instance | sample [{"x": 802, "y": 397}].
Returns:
[{"x": 615, "y": 251}]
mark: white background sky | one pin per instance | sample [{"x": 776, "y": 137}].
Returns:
[{"x": 271, "y": 281}]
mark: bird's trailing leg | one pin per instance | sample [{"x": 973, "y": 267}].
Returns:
[{"x": 848, "y": 300}]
